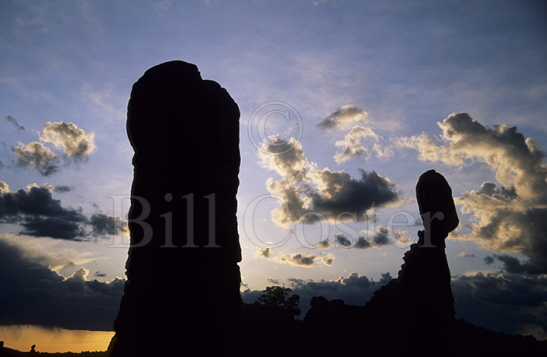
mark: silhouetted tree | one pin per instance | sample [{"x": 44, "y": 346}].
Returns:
[{"x": 277, "y": 298}]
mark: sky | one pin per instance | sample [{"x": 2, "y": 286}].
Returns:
[{"x": 344, "y": 104}]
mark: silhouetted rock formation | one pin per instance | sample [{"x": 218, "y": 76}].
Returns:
[
  {"x": 418, "y": 305},
  {"x": 415, "y": 311},
  {"x": 182, "y": 293}
]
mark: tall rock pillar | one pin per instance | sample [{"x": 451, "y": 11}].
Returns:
[
  {"x": 182, "y": 291},
  {"x": 416, "y": 310}
]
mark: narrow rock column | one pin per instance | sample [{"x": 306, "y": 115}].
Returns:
[{"x": 182, "y": 290}]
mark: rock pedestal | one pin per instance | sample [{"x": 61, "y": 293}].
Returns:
[
  {"x": 182, "y": 290},
  {"x": 415, "y": 311}
]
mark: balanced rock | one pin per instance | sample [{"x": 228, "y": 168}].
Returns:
[{"x": 417, "y": 308}]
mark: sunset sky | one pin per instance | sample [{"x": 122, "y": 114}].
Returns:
[{"x": 344, "y": 104}]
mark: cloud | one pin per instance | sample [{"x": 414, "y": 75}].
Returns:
[
  {"x": 34, "y": 294},
  {"x": 327, "y": 259},
  {"x": 352, "y": 146},
  {"x": 324, "y": 244},
  {"x": 102, "y": 224},
  {"x": 264, "y": 252},
  {"x": 362, "y": 243},
  {"x": 273, "y": 281},
  {"x": 505, "y": 218},
  {"x": 349, "y": 117},
  {"x": 517, "y": 161},
  {"x": 12, "y": 120},
  {"x": 513, "y": 264},
  {"x": 344, "y": 118},
  {"x": 379, "y": 237},
  {"x": 76, "y": 143},
  {"x": 37, "y": 155},
  {"x": 63, "y": 188},
  {"x": 54, "y": 254},
  {"x": 67, "y": 226},
  {"x": 465, "y": 255},
  {"x": 4, "y": 187},
  {"x": 308, "y": 194},
  {"x": 520, "y": 300},
  {"x": 40, "y": 215},
  {"x": 342, "y": 241},
  {"x": 354, "y": 289},
  {"x": 305, "y": 260}
]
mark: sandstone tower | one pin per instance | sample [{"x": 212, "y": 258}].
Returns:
[{"x": 183, "y": 280}]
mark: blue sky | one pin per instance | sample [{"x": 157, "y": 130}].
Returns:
[{"x": 390, "y": 76}]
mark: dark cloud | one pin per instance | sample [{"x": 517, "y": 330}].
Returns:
[
  {"x": 102, "y": 224},
  {"x": 342, "y": 241},
  {"x": 343, "y": 193},
  {"x": 308, "y": 194},
  {"x": 305, "y": 260},
  {"x": 12, "y": 120},
  {"x": 298, "y": 259},
  {"x": 324, "y": 244},
  {"x": 507, "y": 230},
  {"x": 264, "y": 252},
  {"x": 35, "y": 295},
  {"x": 510, "y": 303},
  {"x": 68, "y": 226},
  {"x": 512, "y": 264},
  {"x": 362, "y": 243},
  {"x": 63, "y": 188},
  {"x": 273, "y": 281},
  {"x": 380, "y": 237},
  {"x": 37, "y": 155},
  {"x": 344, "y": 117},
  {"x": 354, "y": 289},
  {"x": 40, "y": 215}
]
